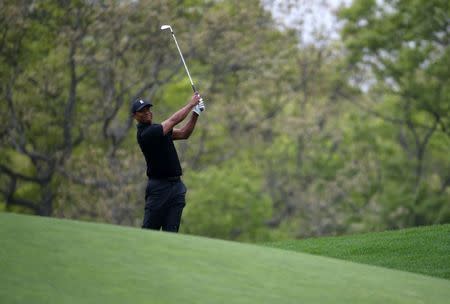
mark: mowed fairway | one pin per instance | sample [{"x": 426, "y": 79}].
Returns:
[{"x": 45, "y": 260}]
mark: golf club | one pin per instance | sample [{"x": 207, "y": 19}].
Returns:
[{"x": 165, "y": 27}]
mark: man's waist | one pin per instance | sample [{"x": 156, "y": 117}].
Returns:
[{"x": 166, "y": 178}]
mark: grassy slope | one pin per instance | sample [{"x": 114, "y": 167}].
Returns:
[
  {"x": 424, "y": 250},
  {"x": 58, "y": 261}
]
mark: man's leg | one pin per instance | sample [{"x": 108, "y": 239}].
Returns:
[
  {"x": 153, "y": 219},
  {"x": 175, "y": 208},
  {"x": 156, "y": 196}
]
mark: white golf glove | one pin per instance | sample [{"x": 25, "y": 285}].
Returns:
[{"x": 199, "y": 108}]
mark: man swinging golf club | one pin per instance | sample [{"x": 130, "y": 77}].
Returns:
[{"x": 165, "y": 192}]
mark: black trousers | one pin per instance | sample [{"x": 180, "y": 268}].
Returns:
[{"x": 164, "y": 203}]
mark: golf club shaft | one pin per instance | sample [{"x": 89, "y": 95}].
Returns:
[
  {"x": 185, "y": 66},
  {"x": 184, "y": 62}
]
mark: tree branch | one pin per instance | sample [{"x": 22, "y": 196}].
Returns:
[
  {"x": 11, "y": 200},
  {"x": 13, "y": 174}
]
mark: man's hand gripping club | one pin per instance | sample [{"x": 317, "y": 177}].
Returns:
[
  {"x": 200, "y": 107},
  {"x": 181, "y": 114}
]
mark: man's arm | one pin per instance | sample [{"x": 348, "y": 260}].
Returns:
[
  {"x": 186, "y": 130},
  {"x": 180, "y": 115}
]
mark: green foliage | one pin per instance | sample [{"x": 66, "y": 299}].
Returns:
[
  {"x": 227, "y": 202},
  {"x": 399, "y": 45},
  {"x": 404, "y": 44},
  {"x": 282, "y": 150}
]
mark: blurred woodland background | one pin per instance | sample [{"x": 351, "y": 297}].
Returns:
[{"x": 301, "y": 137}]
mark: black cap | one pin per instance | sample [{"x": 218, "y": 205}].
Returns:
[{"x": 139, "y": 104}]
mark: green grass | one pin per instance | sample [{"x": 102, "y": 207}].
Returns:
[
  {"x": 424, "y": 250},
  {"x": 46, "y": 260}
]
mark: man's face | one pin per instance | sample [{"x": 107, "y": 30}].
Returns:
[{"x": 144, "y": 115}]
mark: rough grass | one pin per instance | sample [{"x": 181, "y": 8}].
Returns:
[
  {"x": 46, "y": 260},
  {"x": 424, "y": 250}
]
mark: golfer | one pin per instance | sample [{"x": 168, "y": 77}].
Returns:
[{"x": 165, "y": 193}]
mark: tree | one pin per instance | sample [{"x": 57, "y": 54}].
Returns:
[
  {"x": 402, "y": 47},
  {"x": 37, "y": 34},
  {"x": 67, "y": 68}
]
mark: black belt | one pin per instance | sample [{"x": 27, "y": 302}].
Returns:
[{"x": 169, "y": 179}]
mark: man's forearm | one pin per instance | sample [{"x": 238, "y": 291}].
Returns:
[
  {"x": 181, "y": 114},
  {"x": 189, "y": 127},
  {"x": 176, "y": 118}
]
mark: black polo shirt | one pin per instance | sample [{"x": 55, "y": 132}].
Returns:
[{"x": 159, "y": 151}]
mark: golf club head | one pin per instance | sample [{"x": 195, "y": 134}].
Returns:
[{"x": 165, "y": 27}]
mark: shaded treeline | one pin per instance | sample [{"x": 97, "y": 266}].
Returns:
[{"x": 298, "y": 139}]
